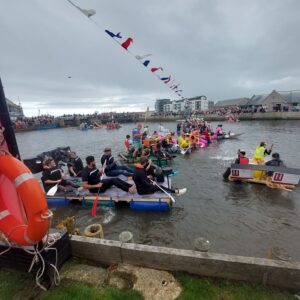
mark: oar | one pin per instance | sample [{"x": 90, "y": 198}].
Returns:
[
  {"x": 52, "y": 191},
  {"x": 94, "y": 207},
  {"x": 169, "y": 195},
  {"x": 183, "y": 152}
]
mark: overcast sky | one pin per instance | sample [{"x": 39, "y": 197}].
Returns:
[{"x": 219, "y": 48}]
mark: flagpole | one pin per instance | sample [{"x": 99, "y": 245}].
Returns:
[{"x": 9, "y": 133}]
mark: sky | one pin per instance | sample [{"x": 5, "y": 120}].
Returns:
[{"x": 223, "y": 49}]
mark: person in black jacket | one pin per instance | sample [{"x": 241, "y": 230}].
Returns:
[
  {"x": 275, "y": 162},
  {"x": 75, "y": 165},
  {"x": 91, "y": 179},
  {"x": 112, "y": 169},
  {"x": 144, "y": 185}
]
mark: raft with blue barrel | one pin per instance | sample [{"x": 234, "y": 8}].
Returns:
[{"x": 157, "y": 202}]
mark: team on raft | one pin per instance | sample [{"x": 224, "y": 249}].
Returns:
[
  {"x": 145, "y": 181},
  {"x": 192, "y": 133},
  {"x": 261, "y": 152}
]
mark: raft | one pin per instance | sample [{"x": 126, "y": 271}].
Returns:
[
  {"x": 114, "y": 197},
  {"x": 161, "y": 162},
  {"x": 283, "y": 178}
]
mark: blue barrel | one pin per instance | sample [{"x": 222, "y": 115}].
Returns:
[
  {"x": 149, "y": 206},
  {"x": 57, "y": 201}
]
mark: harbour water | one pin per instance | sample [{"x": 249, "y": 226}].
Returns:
[{"x": 242, "y": 219}]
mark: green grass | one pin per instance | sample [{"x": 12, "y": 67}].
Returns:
[
  {"x": 210, "y": 289},
  {"x": 80, "y": 291},
  {"x": 14, "y": 285}
]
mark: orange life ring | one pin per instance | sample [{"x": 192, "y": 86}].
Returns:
[{"x": 24, "y": 214}]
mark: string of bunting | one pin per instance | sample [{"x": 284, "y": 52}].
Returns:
[{"x": 125, "y": 43}]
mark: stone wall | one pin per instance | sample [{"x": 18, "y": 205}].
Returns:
[{"x": 281, "y": 274}]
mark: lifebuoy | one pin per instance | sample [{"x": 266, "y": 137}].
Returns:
[{"x": 24, "y": 214}]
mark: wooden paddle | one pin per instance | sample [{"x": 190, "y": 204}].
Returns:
[{"x": 94, "y": 207}]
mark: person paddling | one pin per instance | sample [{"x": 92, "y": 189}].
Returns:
[
  {"x": 261, "y": 152},
  {"x": 143, "y": 184}
]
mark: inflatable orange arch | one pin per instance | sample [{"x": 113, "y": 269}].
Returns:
[{"x": 24, "y": 214}]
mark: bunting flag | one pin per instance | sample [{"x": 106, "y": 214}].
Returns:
[
  {"x": 146, "y": 63},
  {"x": 156, "y": 69},
  {"x": 127, "y": 43},
  {"x": 118, "y": 35},
  {"x": 175, "y": 87},
  {"x": 141, "y": 57},
  {"x": 168, "y": 80},
  {"x": 86, "y": 12}
]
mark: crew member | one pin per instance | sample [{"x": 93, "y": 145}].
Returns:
[
  {"x": 144, "y": 185},
  {"x": 112, "y": 169},
  {"x": 275, "y": 162},
  {"x": 242, "y": 159},
  {"x": 91, "y": 179},
  {"x": 136, "y": 140},
  {"x": 75, "y": 165},
  {"x": 52, "y": 175},
  {"x": 261, "y": 152}
]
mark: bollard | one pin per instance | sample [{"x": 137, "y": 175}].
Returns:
[
  {"x": 202, "y": 244},
  {"x": 126, "y": 237},
  {"x": 94, "y": 231}
]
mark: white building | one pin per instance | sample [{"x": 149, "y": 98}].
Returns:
[{"x": 194, "y": 104}]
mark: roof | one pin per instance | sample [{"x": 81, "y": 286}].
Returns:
[
  {"x": 232, "y": 102},
  {"x": 291, "y": 96},
  {"x": 257, "y": 99},
  {"x": 9, "y": 102}
]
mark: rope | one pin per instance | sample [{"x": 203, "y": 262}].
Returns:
[
  {"x": 37, "y": 256},
  {"x": 134, "y": 56}
]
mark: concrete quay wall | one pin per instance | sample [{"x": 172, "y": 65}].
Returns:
[{"x": 257, "y": 270}]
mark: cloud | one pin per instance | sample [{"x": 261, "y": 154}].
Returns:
[{"x": 223, "y": 49}]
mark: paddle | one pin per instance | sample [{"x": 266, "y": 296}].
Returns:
[
  {"x": 94, "y": 207},
  {"x": 52, "y": 191},
  {"x": 184, "y": 151},
  {"x": 169, "y": 195}
]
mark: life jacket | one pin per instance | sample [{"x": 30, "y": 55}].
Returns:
[
  {"x": 259, "y": 152},
  {"x": 127, "y": 143},
  {"x": 244, "y": 160}
]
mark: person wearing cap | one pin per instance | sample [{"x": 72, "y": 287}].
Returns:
[
  {"x": 112, "y": 169},
  {"x": 242, "y": 159},
  {"x": 261, "y": 152},
  {"x": 275, "y": 162},
  {"x": 91, "y": 179}
]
